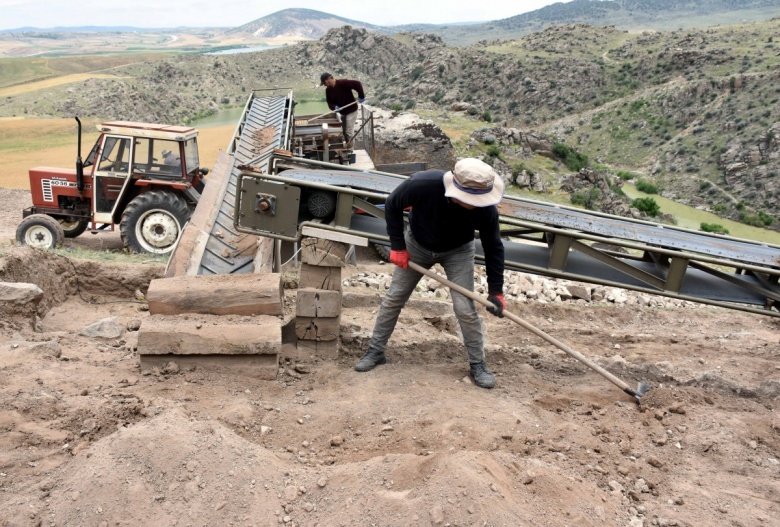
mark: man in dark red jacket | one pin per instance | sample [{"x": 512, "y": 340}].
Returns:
[
  {"x": 338, "y": 95},
  {"x": 446, "y": 209}
]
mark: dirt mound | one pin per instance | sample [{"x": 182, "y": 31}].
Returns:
[
  {"x": 86, "y": 438},
  {"x": 60, "y": 277},
  {"x": 54, "y": 274}
]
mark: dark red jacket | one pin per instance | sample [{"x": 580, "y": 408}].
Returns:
[{"x": 341, "y": 95}]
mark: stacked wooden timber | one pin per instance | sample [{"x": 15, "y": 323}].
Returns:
[
  {"x": 318, "y": 305},
  {"x": 225, "y": 322}
]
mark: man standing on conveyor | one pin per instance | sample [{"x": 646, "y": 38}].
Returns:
[{"x": 338, "y": 95}]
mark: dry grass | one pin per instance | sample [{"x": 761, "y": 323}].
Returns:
[
  {"x": 50, "y": 83},
  {"x": 27, "y": 143}
]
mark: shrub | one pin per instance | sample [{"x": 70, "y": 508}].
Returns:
[
  {"x": 647, "y": 205},
  {"x": 749, "y": 218},
  {"x": 486, "y": 116},
  {"x": 493, "y": 151},
  {"x": 573, "y": 160},
  {"x": 417, "y": 72},
  {"x": 765, "y": 218},
  {"x": 625, "y": 175},
  {"x": 717, "y": 228},
  {"x": 396, "y": 107},
  {"x": 646, "y": 187},
  {"x": 586, "y": 199}
]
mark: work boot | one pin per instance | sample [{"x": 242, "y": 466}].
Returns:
[
  {"x": 370, "y": 360},
  {"x": 481, "y": 375}
]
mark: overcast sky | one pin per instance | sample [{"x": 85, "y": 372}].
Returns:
[{"x": 231, "y": 13}]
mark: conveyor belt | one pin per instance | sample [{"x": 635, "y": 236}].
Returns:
[
  {"x": 697, "y": 285},
  {"x": 660, "y": 235},
  {"x": 658, "y": 259},
  {"x": 228, "y": 251}
]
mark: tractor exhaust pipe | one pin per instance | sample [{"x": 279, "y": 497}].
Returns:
[{"x": 79, "y": 163}]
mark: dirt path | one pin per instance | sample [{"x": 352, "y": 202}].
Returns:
[{"x": 90, "y": 439}]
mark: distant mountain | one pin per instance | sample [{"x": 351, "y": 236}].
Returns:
[
  {"x": 658, "y": 15},
  {"x": 309, "y": 24},
  {"x": 78, "y": 29},
  {"x": 627, "y": 11},
  {"x": 301, "y": 23}
]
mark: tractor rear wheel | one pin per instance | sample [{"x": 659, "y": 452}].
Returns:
[
  {"x": 73, "y": 227},
  {"x": 152, "y": 222},
  {"x": 40, "y": 231}
]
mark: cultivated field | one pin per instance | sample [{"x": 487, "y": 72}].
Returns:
[{"x": 27, "y": 143}]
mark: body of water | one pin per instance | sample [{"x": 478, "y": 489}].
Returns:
[
  {"x": 231, "y": 116},
  {"x": 234, "y": 51},
  {"x": 692, "y": 218}
]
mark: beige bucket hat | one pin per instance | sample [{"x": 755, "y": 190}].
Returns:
[{"x": 474, "y": 182}]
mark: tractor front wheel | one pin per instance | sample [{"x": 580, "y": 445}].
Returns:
[
  {"x": 40, "y": 231},
  {"x": 73, "y": 227},
  {"x": 383, "y": 251},
  {"x": 152, "y": 222}
]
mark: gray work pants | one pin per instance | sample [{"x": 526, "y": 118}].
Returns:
[
  {"x": 458, "y": 264},
  {"x": 348, "y": 123}
]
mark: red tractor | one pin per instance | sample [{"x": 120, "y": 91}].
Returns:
[{"x": 143, "y": 177}]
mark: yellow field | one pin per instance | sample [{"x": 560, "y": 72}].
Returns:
[
  {"x": 49, "y": 83},
  {"x": 27, "y": 143}
]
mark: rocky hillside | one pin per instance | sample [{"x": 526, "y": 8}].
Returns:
[{"x": 692, "y": 111}]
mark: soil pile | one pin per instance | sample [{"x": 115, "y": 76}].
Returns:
[{"x": 90, "y": 439}]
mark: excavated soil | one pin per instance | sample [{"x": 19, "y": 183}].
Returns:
[{"x": 87, "y": 438}]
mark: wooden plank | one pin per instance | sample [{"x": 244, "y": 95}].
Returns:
[
  {"x": 324, "y": 349},
  {"x": 318, "y": 277},
  {"x": 264, "y": 257},
  {"x": 318, "y": 303},
  {"x": 209, "y": 335},
  {"x": 317, "y": 328},
  {"x": 192, "y": 242},
  {"x": 335, "y": 236},
  {"x": 264, "y": 367},
  {"x": 247, "y": 294},
  {"x": 327, "y": 253}
]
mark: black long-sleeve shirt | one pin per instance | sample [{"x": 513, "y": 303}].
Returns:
[
  {"x": 341, "y": 95},
  {"x": 440, "y": 225}
]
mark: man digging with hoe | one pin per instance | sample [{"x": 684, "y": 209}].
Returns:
[{"x": 446, "y": 209}]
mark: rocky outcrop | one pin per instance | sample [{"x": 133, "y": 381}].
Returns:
[
  {"x": 597, "y": 188},
  {"x": 531, "y": 142},
  {"x": 407, "y": 138}
]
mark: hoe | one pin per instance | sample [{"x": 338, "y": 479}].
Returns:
[{"x": 637, "y": 394}]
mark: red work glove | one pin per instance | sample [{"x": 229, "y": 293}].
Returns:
[
  {"x": 498, "y": 306},
  {"x": 400, "y": 258}
]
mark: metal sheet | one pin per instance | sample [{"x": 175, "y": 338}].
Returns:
[
  {"x": 623, "y": 228},
  {"x": 341, "y": 178}
]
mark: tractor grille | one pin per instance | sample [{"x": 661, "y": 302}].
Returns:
[{"x": 48, "y": 195}]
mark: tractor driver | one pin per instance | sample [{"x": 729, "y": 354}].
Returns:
[{"x": 170, "y": 159}]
